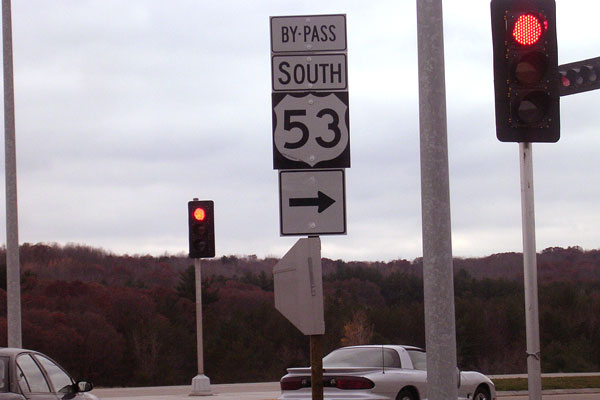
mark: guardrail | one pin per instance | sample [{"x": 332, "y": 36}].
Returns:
[{"x": 550, "y": 375}]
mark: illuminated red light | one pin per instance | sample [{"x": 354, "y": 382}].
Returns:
[
  {"x": 199, "y": 214},
  {"x": 528, "y": 30}
]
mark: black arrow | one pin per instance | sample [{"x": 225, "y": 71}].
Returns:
[{"x": 322, "y": 201}]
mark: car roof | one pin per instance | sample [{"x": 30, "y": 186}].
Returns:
[
  {"x": 12, "y": 351},
  {"x": 405, "y": 347}
]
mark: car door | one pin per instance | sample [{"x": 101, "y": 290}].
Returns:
[{"x": 31, "y": 379}]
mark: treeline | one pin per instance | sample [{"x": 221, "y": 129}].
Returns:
[{"x": 130, "y": 320}]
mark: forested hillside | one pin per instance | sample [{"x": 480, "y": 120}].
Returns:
[{"x": 130, "y": 320}]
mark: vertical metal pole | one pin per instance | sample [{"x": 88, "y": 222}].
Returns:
[
  {"x": 534, "y": 369},
  {"x": 13, "y": 280},
  {"x": 316, "y": 366},
  {"x": 200, "y": 339},
  {"x": 200, "y": 383},
  {"x": 438, "y": 277}
]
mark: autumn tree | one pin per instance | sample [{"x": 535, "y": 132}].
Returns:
[{"x": 358, "y": 330}]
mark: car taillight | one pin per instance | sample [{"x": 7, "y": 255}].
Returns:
[
  {"x": 339, "y": 382},
  {"x": 294, "y": 382},
  {"x": 349, "y": 383}
]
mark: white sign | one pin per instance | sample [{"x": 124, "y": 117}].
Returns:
[
  {"x": 309, "y": 72},
  {"x": 298, "y": 286},
  {"x": 312, "y": 202},
  {"x": 311, "y": 130},
  {"x": 309, "y": 33}
]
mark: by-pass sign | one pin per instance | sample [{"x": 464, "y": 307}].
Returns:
[{"x": 309, "y": 33}]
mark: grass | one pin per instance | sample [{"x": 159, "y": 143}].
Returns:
[{"x": 571, "y": 382}]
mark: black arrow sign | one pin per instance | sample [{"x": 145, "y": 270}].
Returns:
[{"x": 322, "y": 201}]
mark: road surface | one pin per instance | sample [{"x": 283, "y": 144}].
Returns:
[{"x": 270, "y": 391}]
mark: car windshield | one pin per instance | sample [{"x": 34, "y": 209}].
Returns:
[
  {"x": 419, "y": 359},
  {"x": 3, "y": 374},
  {"x": 362, "y": 357}
]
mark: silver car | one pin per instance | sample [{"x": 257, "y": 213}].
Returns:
[
  {"x": 26, "y": 374},
  {"x": 378, "y": 373}
]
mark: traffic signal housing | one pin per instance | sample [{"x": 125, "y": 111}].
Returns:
[
  {"x": 201, "y": 219},
  {"x": 526, "y": 78},
  {"x": 580, "y": 76}
]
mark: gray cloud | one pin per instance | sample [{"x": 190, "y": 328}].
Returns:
[{"x": 128, "y": 109}]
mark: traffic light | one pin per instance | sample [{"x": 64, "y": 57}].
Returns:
[
  {"x": 526, "y": 78},
  {"x": 201, "y": 228},
  {"x": 580, "y": 76}
]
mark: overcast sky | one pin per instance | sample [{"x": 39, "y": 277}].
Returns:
[{"x": 127, "y": 109}]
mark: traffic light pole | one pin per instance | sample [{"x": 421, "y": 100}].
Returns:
[
  {"x": 200, "y": 383},
  {"x": 534, "y": 369}
]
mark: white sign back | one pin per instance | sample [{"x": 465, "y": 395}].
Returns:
[{"x": 298, "y": 286}]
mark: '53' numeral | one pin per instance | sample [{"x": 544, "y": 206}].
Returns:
[{"x": 333, "y": 126}]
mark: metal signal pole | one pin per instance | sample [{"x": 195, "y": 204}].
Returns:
[
  {"x": 200, "y": 383},
  {"x": 532, "y": 323},
  {"x": 13, "y": 275}
]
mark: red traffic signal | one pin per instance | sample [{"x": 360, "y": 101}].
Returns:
[
  {"x": 201, "y": 224},
  {"x": 528, "y": 29},
  {"x": 199, "y": 214},
  {"x": 526, "y": 79}
]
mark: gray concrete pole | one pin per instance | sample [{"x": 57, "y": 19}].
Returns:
[
  {"x": 438, "y": 279},
  {"x": 200, "y": 383},
  {"x": 13, "y": 279},
  {"x": 532, "y": 323}
]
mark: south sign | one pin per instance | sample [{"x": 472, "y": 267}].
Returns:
[{"x": 309, "y": 72}]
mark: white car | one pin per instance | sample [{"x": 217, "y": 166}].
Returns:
[
  {"x": 378, "y": 373},
  {"x": 29, "y": 375}
]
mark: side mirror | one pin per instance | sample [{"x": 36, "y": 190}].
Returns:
[{"x": 84, "y": 386}]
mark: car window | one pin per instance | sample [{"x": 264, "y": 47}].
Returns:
[
  {"x": 362, "y": 357},
  {"x": 419, "y": 359},
  {"x": 60, "y": 380},
  {"x": 4, "y": 374},
  {"x": 30, "y": 376}
]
